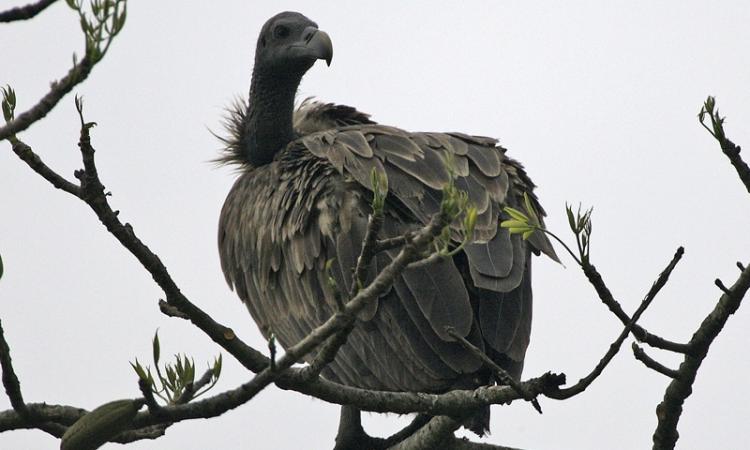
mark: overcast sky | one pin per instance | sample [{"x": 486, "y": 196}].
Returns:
[{"x": 598, "y": 101}]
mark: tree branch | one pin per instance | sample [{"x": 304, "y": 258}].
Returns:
[
  {"x": 53, "y": 419},
  {"x": 92, "y": 192},
  {"x": 10, "y": 380},
  {"x": 431, "y": 436},
  {"x": 651, "y": 363},
  {"x": 614, "y": 348},
  {"x": 638, "y": 331},
  {"x": 59, "y": 89},
  {"x": 328, "y": 352},
  {"x": 728, "y": 147},
  {"x": 36, "y": 164},
  {"x": 669, "y": 410},
  {"x": 465, "y": 444},
  {"x": 499, "y": 372},
  {"x": 452, "y": 403},
  {"x": 25, "y": 12}
]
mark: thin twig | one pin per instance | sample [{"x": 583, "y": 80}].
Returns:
[
  {"x": 192, "y": 388},
  {"x": 368, "y": 251},
  {"x": 614, "y": 348},
  {"x": 651, "y": 363},
  {"x": 729, "y": 148},
  {"x": 426, "y": 262},
  {"x": 25, "y": 12},
  {"x": 328, "y": 351},
  {"x": 148, "y": 396},
  {"x": 501, "y": 373},
  {"x": 77, "y": 74},
  {"x": 719, "y": 284},
  {"x": 36, "y": 164},
  {"x": 10, "y": 380},
  {"x": 640, "y": 333},
  {"x": 392, "y": 242}
]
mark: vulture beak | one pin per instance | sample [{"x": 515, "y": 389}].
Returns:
[{"x": 318, "y": 44}]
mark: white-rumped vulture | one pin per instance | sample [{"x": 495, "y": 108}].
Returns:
[{"x": 303, "y": 197}]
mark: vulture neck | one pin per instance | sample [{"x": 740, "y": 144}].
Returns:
[{"x": 268, "y": 125}]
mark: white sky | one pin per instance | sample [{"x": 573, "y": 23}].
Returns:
[{"x": 598, "y": 101}]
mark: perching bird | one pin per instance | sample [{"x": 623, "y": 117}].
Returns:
[{"x": 303, "y": 198}]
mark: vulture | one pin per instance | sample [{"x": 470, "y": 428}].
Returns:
[{"x": 303, "y": 198}]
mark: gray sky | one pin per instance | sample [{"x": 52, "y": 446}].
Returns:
[{"x": 598, "y": 101}]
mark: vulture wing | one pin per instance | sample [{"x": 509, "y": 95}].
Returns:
[{"x": 280, "y": 225}]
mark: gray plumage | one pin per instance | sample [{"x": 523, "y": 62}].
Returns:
[{"x": 309, "y": 202}]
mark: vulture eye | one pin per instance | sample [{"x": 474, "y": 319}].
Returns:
[{"x": 281, "y": 31}]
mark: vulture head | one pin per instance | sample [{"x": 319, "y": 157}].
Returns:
[{"x": 290, "y": 43}]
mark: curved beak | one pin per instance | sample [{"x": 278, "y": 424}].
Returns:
[{"x": 318, "y": 44}]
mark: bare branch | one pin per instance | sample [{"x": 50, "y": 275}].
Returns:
[
  {"x": 465, "y": 444},
  {"x": 585, "y": 382},
  {"x": 59, "y": 89},
  {"x": 669, "y": 410},
  {"x": 638, "y": 331},
  {"x": 728, "y": 147},
  {"x": 651, "y": 363},
  {"x": 25, "y": 12},
  {"x": 453, "y": 403},
  {"x": 36, "y": 164},
  {"x": 10, "y": 380},
  {"x": 148, "y": 396},
  {"x": 191, "y": 389},
  {"x": 392, "y": 242},
  {"x": 92, "y": 192},
  {"x": 368, "y": 251},
  {"x": 328, "y": 351},
  {"x": 53, "y": 419},
  {"x": 502, "y": 375},
  {"x": 431, "y": 436},
  {"x": 720, "y": 284}
]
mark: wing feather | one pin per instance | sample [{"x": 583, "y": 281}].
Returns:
[{"x": 281, "y": 223}]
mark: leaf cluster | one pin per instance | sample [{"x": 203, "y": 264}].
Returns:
[
  {"x": 524, "y": 223},
  {"x": 580, "y": 224},
  {"x": 178, "y": 377},
  {"x": 455, "y": 204},
  {"x": 717, "y": 122},
  {"x": 9, "y": 103},
  {"x": 101, "y": 21}
]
